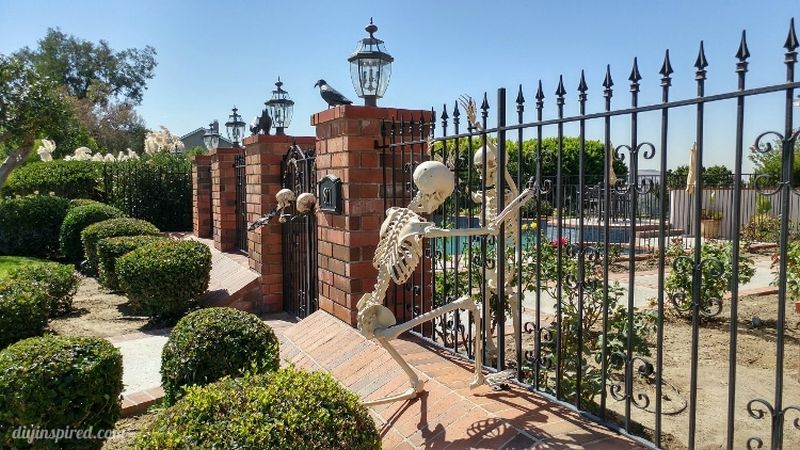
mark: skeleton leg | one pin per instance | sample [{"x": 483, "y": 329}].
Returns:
[{"x": 384, "y": 335}]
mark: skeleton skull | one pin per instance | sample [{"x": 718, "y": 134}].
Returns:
[
  {"x": 284, "y": 197},
  {"x": 491, "y": 162},
  {"x": 435, "y": 183},
  {"x": 306, "y": 202}
]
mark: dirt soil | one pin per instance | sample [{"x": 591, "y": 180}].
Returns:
[
  {"x": 126, "y": 430},
  {"x": 98, "y": 312},
  {"x": 755, "y": 376}
]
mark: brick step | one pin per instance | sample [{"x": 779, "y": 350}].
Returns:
[{"x": 447, "y": 414}]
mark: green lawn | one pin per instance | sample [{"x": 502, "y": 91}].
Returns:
[{"x": 7, "y": 263}]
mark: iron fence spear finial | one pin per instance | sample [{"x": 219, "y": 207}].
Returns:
[
  {"x": 539, "y": 96},
  {"x": 635, "y": 76},
  {"x": 701, "y": 63},
  {"x": 743, "y": 52},
  {"x": 608, "y": 83},
  {"x": 582, "y": 87},
  {"x": 791, "y": 38},
  {"x": 666, "y": 67}
]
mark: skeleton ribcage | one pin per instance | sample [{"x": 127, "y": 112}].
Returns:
[{"x": 398, "y": 251}]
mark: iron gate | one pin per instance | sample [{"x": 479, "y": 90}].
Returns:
[
  {"x": 239, "y": 168},
  {"x": 579, "y": 327},
  {"x": 299, "y": 235}
]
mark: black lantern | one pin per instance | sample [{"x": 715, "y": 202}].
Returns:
[
  {"x": 211, "y": 137},
  {"x": 370, "y": 67},
  {"x": 280, "y": 108},
  {"x": 235, "y": 127}
]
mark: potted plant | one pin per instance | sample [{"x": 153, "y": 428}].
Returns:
[{"x": 710, "y": 218}]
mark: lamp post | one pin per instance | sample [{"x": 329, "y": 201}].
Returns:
[
  {"x": 211, "y": 136},
  {"x": 280, "y": 107},
  {"x": 370, "y": 67},
  {"x": 235, "y": 127}
]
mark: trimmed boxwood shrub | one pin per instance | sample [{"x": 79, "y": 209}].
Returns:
[
  {"x": 284, "y": 409},
  {"x": 75, "y": 202},
  {"x": 30, "y": 225},
  {"x": 112, "y": 228},
  {"x": 69, "y": 179},
  {"x": 166, "y": 277},
  {"x": 59, "y": 382},
  {"x": 59, "y": 281},
  {"x": 109, "y": 249},
  {"x": 211, "y": 343},
  {"x": 23, "y": 310},
  {"x": 76, "y": 220}
]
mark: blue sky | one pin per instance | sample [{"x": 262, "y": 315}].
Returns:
[{"x": 212, "y": 55}]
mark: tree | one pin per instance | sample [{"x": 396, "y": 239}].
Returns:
[
  {"x": 114, "y": 126},
  {"x": 593, "y": 160},
  {"x": 714, "y": 176},
  {"x": 103, "y": 87},
  {"x": 93, "y": 71},
  {"x": 771, "y": 162},
  {"x": 30, "y": 105}
]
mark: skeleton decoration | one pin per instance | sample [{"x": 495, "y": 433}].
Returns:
[
  {"x": 396, "y": 257},
  {"x": 306, "y": 203},
  {"x": 284, "y": 197},
  {"x": 487, "y": 155}
]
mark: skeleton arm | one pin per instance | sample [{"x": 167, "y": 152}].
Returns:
[{"x": 428, "y": 230}]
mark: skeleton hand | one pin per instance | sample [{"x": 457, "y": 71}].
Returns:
[{"x": 469, "y": 107}]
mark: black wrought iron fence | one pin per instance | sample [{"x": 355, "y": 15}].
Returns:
[
  {"x": 630, "y": 346},
  {"x": 158, "y": 190}
]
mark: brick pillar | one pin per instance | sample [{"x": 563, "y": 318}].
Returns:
[
  {"x": 263, "y": 155},
  {"x": 201, "y": 196},
  {"x": 223, "y": 197},
  {"x": 346, "y": 138}
]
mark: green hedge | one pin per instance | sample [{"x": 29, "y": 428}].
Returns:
[
  {"x": 112, "y": 228},
  {"x": 109, "y": 249},
  {"x": 23, "y": 310},
  {"x": 30, "y": 225},
  {"x": 59, "y": 382},
  {"x": 288, "y": 409},
  {"x": 59, "y": 281},
  {"x": 211, "y": 343},
  {"x": 165, "y": 278},
  {"x": 76, "y": 220},
  {"x": 69, "y": 179}
]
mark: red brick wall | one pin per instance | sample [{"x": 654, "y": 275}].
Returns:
[
  {"x": 201, "y": 196},
  {"x": 346, "y": 140},
  {"x": 263, "y": 155},
  {"x": 223, "y": 197}
]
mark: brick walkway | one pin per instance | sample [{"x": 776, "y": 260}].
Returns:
[{"x": 448, "y": 414}]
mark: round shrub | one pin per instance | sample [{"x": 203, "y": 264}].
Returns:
[
  {"x": 285, "y": 409},
  {"x": 166, "y": 277},
  {"x": 109, "y": 249},
  {"x": 59, "y": 382},
  {"x": 59, "y": 281},
  {"x": 211, "y": 343},
  {"x": 75, "y": 202},
  {"x": 112, "y": 228},
  {"x": 69, "y": 179},
  {"x": 76, "y": 220},
  {"x": 29, "y": 226},
  {"x": 23, "y": 310}
]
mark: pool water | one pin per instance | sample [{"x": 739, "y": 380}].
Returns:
[{"x": 591, "y": 234}]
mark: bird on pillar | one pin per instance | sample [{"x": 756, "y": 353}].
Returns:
[{"x": 331, "y": 95}]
